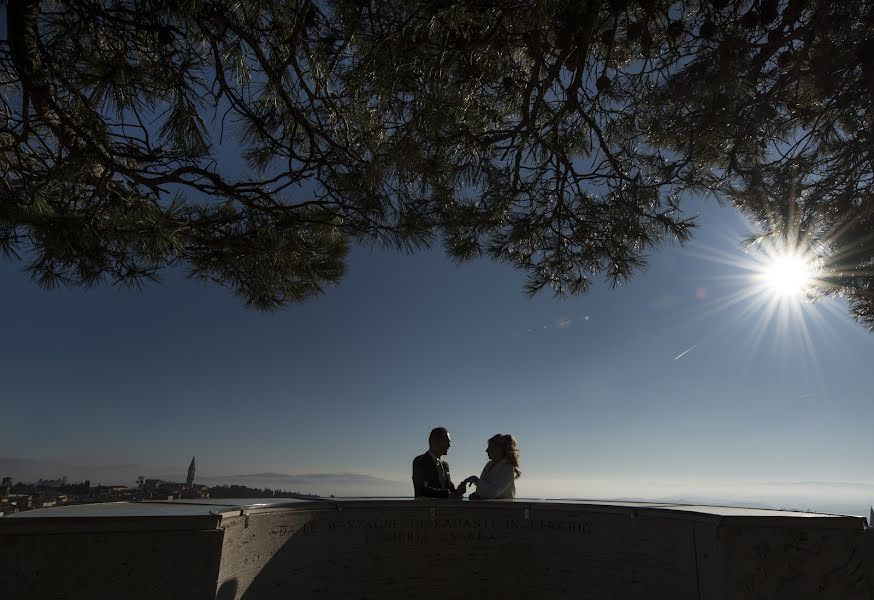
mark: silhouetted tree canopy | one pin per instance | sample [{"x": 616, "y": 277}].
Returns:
[{"x": 560, "y": 136}]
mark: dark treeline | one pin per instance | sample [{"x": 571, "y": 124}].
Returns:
[
  {"x": 242, "y": 491},
  {"x": 44, "y": 485}
]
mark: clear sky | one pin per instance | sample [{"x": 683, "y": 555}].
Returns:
[{"x": 338, "y": 395}]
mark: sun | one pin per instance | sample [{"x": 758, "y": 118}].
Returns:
[
  {"x": 787, "y": 275},
  {"x": 779, "y": 287}
]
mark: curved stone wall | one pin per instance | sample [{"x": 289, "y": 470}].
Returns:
[
  {"x": 432, "y": 549},
  {"x": 425, "y": 549}
]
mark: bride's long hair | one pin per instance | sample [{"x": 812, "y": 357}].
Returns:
[{"x": 507, "y": 443}]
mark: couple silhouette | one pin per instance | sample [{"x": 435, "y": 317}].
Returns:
[{"x": 431, "y": 477}]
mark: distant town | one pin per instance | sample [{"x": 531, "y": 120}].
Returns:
[{"x": 18, "y": 496}]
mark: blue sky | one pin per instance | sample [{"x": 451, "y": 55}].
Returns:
[{"x": 338, "y": 395}]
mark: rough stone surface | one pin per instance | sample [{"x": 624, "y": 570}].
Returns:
[
  {"x": 431, "y": 549},
  {"x": 457, "y": 550}
]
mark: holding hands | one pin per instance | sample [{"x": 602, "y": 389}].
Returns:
[
  {"x": 472, "y": 479},
  {"x": 461, "y": 488}
]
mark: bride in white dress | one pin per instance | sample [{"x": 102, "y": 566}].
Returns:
[{"x": 498, "y": 479}]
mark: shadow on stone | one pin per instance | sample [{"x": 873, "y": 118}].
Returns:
[{"x": 227, "y": 590}]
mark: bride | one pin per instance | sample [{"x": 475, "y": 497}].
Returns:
[{"x": 498, "y": 479}]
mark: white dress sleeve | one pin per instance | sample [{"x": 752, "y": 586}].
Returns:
[{"x": 495, "y": 481}]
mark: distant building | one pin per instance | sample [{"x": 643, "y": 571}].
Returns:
[
  {"x": 5, "y": 489},
  {"x": 195, "y": 491},
  {"x": 158, "y": 489},
  {"x": 7, "y": 507},
  {"x": 21, "y": 501},
  {"x": 190, "y": 480},
  {"x": 109, "y": 491}
]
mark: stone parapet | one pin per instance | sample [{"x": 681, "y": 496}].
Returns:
[{"x": 416, "y": 549}]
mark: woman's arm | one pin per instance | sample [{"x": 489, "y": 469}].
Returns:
[{"x": 494, "y": 483}]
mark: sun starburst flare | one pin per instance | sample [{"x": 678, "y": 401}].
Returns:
[
  {"x": 778, "y": 292},
  {"x": 787, "y": 275}
]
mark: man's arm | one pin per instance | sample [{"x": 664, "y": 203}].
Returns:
[
  {"x": 424, "y": 474},
  {"x": 453, "y": 491},
  {"x": 449, "y": 483}
]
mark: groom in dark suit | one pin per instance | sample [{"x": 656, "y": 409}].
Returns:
[{"x": 431, "y": 473}]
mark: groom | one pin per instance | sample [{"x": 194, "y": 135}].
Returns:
[{"x": 430, "y": 473}]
